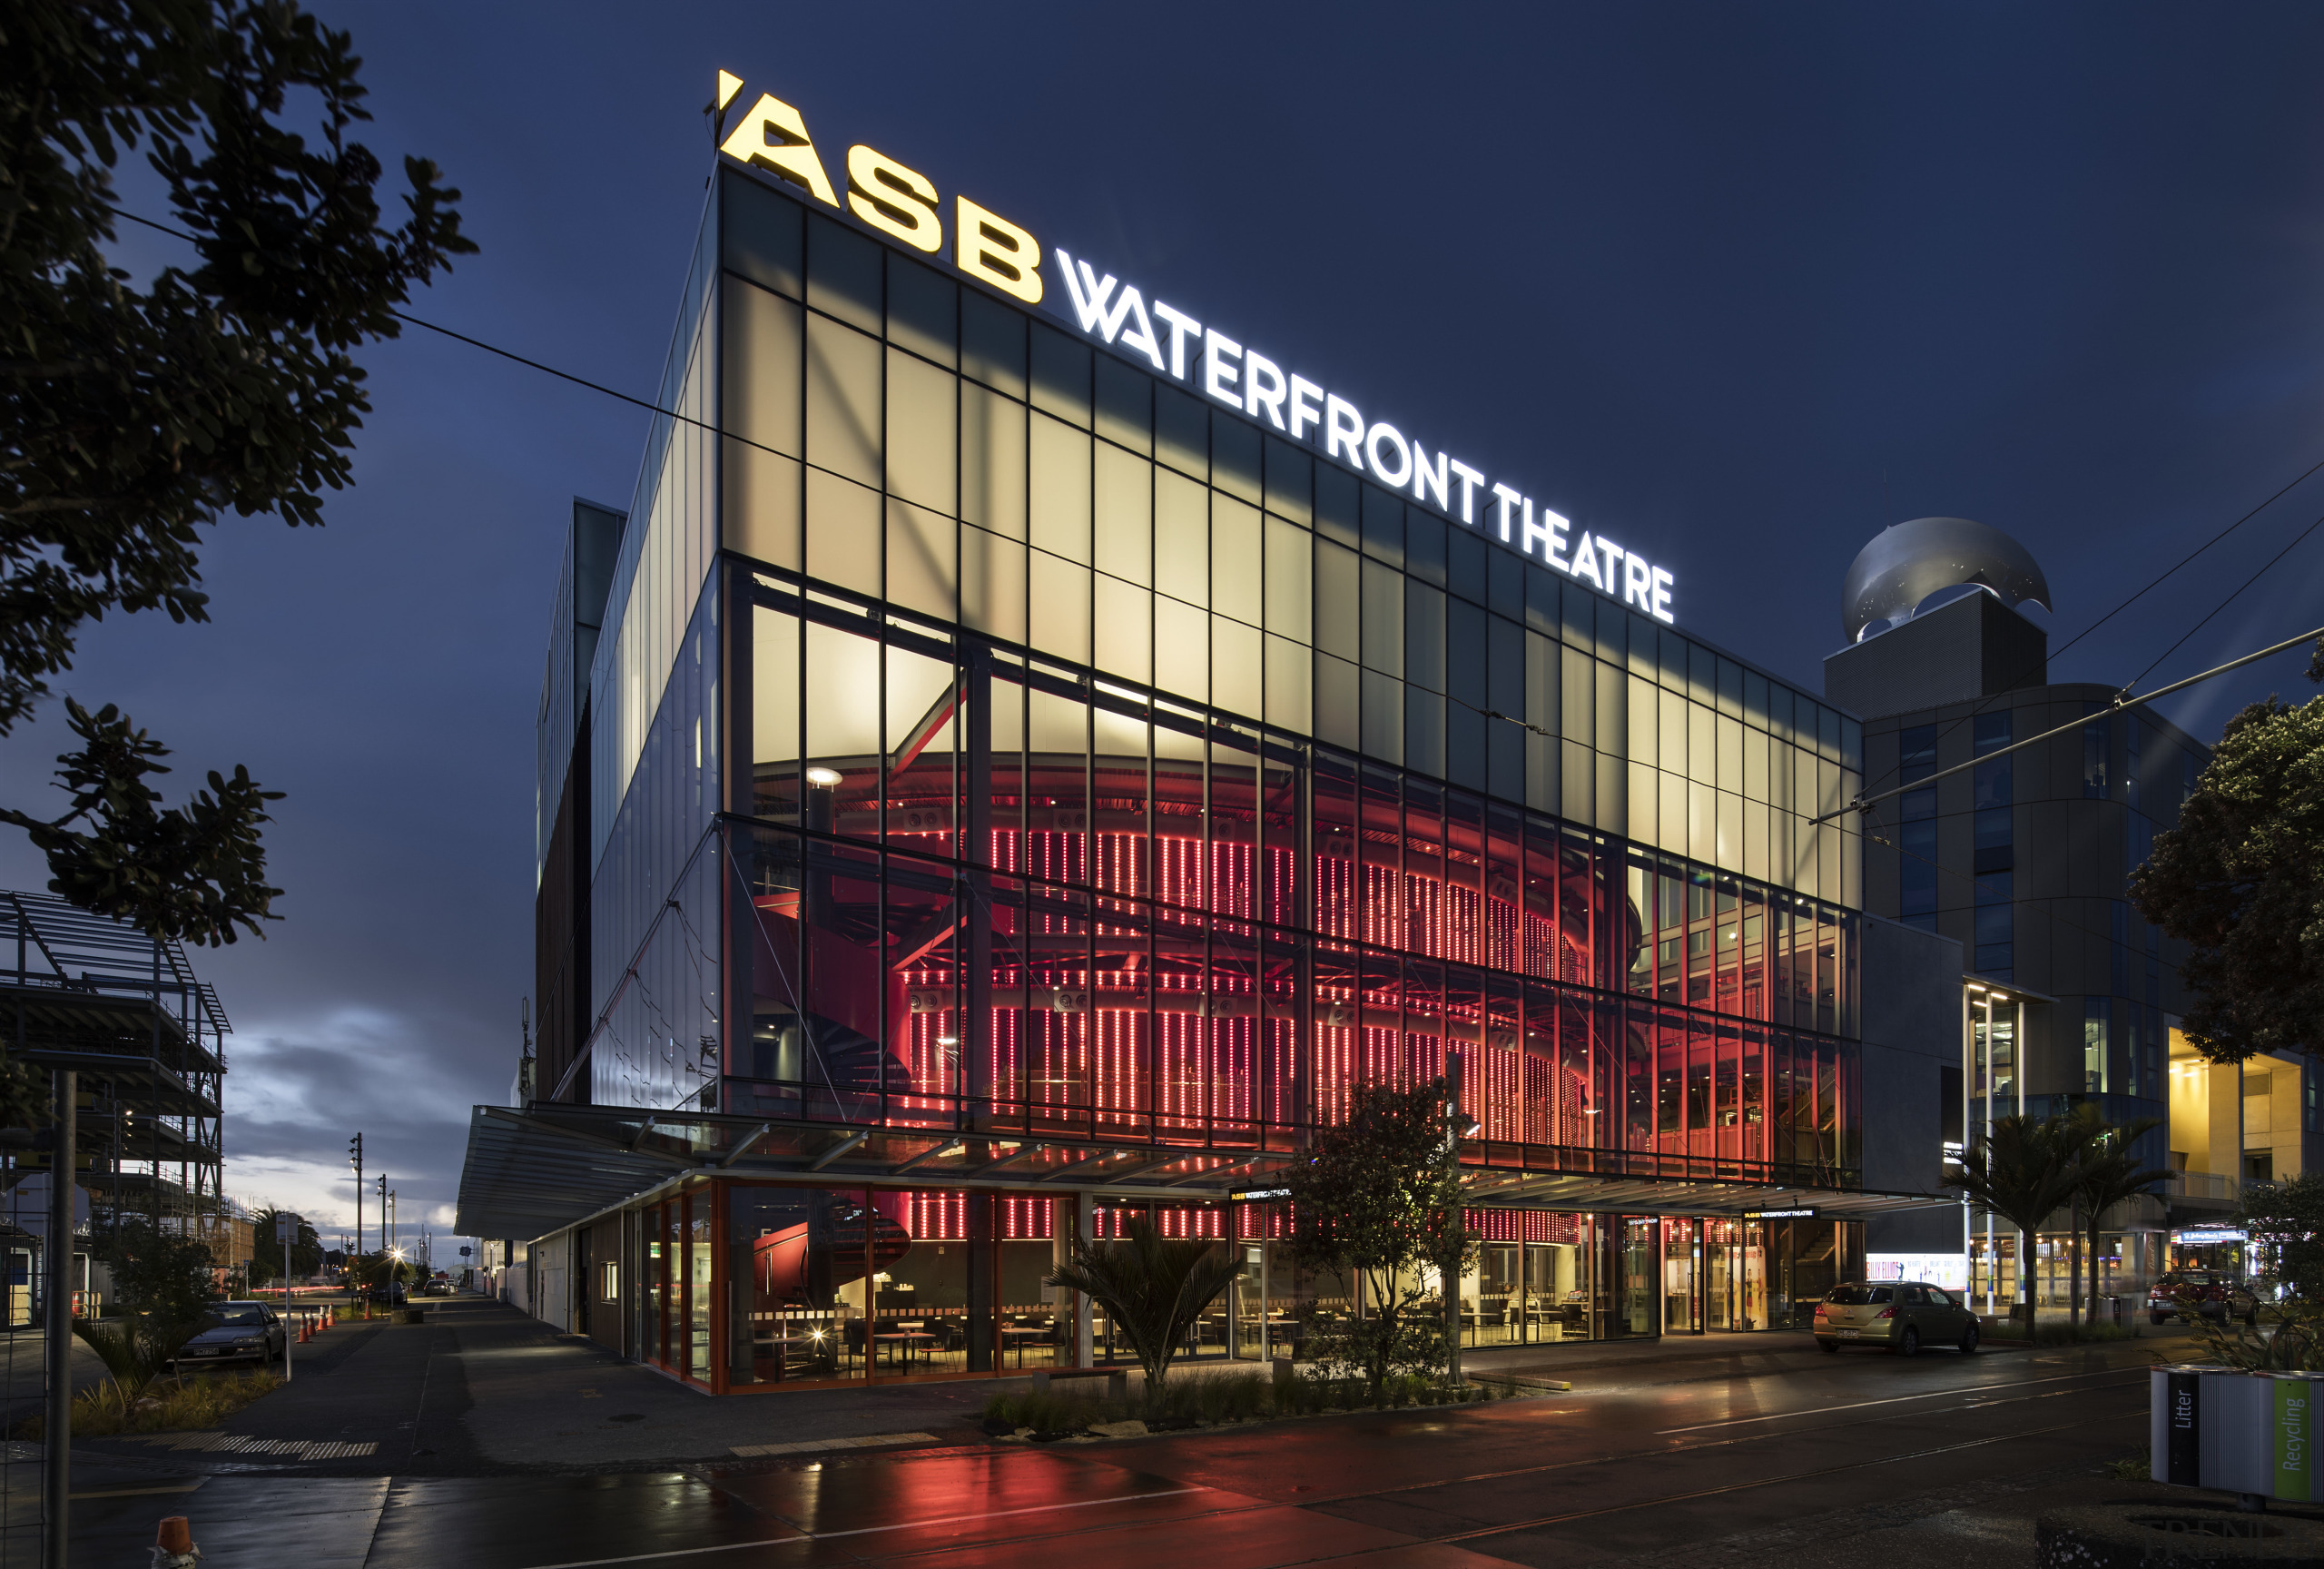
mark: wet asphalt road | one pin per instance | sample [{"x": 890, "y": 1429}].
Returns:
[{"x": 1641, "y": 1462}]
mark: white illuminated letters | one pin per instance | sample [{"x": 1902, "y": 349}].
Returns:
[
  {"x": 1306, "y": 408},
  {"x": 1089, "y": 293},
  {"x": 1220, "y": 372},
  {"x": 1395, "y": 475},
  {"x": 1585, "y": 563},
  {"x": 904, "y": 204},
  {"x": 1553, "y": 528},
  {"x": 1427, "y": 477},
  {"x": 1182, "y": 328},
  {"x": 1262, "y": 387},
  {"x": 1638, "y": 583},
  {"x": 1470, "y": 479},
  {"x": 1504, "y": 498},
  {"x": 1546, "y": 531},
  {"x": 1342, "y": 430}
]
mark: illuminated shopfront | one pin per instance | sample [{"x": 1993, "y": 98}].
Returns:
[{"x": 1000, "y": 792}]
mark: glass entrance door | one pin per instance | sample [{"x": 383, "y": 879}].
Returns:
[
  {"x": 1682, "y": 1252},
  {"x": 1722, "y": 1266},
  {"x": 1633, "y": 1267},
  {"x": 1735, "y": 1269}
]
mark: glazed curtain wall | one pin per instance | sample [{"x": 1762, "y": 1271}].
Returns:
[
  {"x": 991, "y": 891},
  {"x": 655, "y": 927},
  {"x": 666, "y": 549},
  {"x": 910, "y": 439}
]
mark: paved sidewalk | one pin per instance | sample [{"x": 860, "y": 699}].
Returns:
[{"x": 481, "y": 1388}]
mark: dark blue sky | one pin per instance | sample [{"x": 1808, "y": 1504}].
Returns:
[{"x": 1740, "y": 286}]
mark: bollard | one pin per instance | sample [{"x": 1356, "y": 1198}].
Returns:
[{"x": 173, "y": 1546}]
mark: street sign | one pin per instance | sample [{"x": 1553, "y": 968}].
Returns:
[{"x": 464, "y": 1252}]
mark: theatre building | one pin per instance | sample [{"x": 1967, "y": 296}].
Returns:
[{"x": 993, "y": 787}]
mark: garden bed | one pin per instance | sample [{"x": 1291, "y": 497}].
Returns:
[
  {"x": 168, "y": 1406},
  {"x": 1197, "y": 1400}
]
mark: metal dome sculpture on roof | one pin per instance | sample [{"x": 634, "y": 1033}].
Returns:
[{"x": 1906, "y": 566}]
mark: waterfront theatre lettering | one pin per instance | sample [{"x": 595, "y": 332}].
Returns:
[{"x": 905, "y": 204}]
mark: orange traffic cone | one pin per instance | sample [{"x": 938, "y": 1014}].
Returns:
[{"x": 173, "y": 1546}]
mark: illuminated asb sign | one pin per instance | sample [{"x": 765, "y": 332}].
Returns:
[{"x": 902, "y": 202}]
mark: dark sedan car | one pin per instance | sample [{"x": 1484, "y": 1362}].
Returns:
[
  {"x": 391, "y": 1293},
  {"x": 2184, "y": 1293},
  {"x": 235, "y": 1332}
]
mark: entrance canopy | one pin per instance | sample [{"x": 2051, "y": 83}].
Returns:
[{"x": 538, "y": 1170}]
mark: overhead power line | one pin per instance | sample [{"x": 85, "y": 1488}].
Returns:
[
  {"x": 2017, "y": 681},
  {"x": 2123, "y": 701}
]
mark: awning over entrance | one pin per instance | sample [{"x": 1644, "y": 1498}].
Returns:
[{"x": 535, "y": 1171}]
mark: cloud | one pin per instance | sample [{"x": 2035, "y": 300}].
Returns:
[{"x": 297, "y": 1089}]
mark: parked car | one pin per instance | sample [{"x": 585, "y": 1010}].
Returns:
[
  {"x": 2184, "y": 1293},
  {"x": 388, "y": 1293},
  {"x": 1900, "y": 1316},
  {"x": 436, "y": 1288},
  {"x": 235, "y": 1332}
]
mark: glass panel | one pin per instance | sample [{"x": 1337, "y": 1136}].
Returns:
[
  {"x": 1681, "y": 1272},
  {"x": 650, "y": 1281},
  {"x": 700, "y": 1258}
]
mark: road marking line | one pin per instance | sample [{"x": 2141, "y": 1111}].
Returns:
[
  {"x": 137, "y": 1491},
  {"x": 1892, "y": 1400},
  {"x": 872, "y": 1530}
]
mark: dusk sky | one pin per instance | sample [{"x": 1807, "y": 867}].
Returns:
[{"x": 1736, "y": 286}]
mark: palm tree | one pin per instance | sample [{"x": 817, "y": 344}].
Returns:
[
  {"x": 1153, "y": 1290},
  {"x": 2021, "y": 1169},
  {"x": 2107, "y": 1172}
]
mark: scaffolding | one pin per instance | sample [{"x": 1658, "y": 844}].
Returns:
[{"x": 147, "y": 1038}]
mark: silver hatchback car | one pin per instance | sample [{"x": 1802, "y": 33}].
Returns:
[{"x": 1900, "y": 1316}]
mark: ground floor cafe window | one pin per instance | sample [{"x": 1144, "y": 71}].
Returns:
[{"x": 737, "y": 1285}]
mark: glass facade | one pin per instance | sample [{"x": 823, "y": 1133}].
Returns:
[
  {"x": 1038, "y": 751},
  {"x": 826, "y": 1283}
]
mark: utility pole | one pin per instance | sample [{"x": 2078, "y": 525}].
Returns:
[
  {"x": 56, "y": 1432},
  {"x": 355, "y": 1158}
]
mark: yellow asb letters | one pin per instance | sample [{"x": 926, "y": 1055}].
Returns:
[
  {"x": 792, "y": 157},
  {"x": 884, "y": 193}
]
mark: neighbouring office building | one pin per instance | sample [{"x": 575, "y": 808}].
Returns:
[
  {"x": 1002, "y": 776},
  {"x": 2023, "y": 858}
]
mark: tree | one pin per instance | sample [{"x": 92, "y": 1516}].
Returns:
[
  {"x": 266, "y": 1252},
  {"x": 2241, "y": 881},
  {"x": 2107, "y": 1172},
  {"x": 2286, "y": 1220},
  {"x": 1153, "y": 1288},
  {"x": 1379, "y": 1202},
  {"x": 132, "y": 418},
  {"x": 2021, "y": 1169},
  {"x": 163, "y": 1277}
]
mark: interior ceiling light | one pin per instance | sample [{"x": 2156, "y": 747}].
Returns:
[{"x": 824, "y": 778}]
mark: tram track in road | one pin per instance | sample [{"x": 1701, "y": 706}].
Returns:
[
  {"x": 1575, "y": 1463},
  {"x": 1543, "y": 1522}
]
